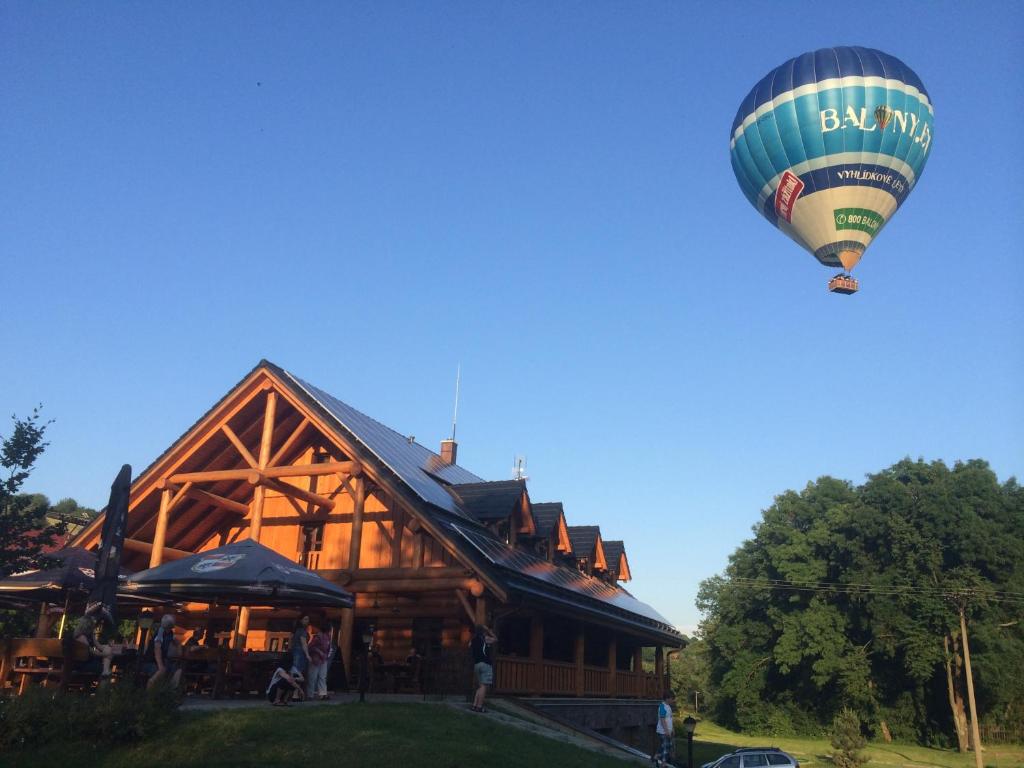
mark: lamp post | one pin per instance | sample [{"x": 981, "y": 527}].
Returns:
[{"x": 689, "y": 725}]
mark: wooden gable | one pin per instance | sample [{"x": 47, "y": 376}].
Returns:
[{"x": 262, "y": 463}]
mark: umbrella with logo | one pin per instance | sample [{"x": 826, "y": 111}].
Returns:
[{"x": 243, "y": 573}]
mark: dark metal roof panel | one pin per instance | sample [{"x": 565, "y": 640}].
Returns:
[
  {"x": 564, "y": 580},
  {"x": 545, "y": 515},
  {"x": 414, "y": 464},
  {"x": 584, "y": 539},
  {"x": 489, "y": 500}
]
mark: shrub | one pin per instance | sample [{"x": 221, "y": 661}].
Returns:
[
  {"x": 117, "y": 713},
  {"x": 848, "y": 740}
]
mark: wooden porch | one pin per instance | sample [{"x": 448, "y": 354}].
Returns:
[{"x": 515, "y": 675}]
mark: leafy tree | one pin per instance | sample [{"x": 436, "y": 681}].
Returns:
[
  {"x": 841, "y": 598},
  {"x": 23, "y": 534}
]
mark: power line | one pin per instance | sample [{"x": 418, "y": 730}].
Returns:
[{"x": 853, "y": 588}]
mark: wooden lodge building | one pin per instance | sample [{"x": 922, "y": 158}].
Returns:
[{"x": 428, "y": 548}]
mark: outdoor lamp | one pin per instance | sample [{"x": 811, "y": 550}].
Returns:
[{"x": 689, "y": 725}]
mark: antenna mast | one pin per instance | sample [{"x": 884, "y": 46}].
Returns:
[{"x": 455, "y": 416}]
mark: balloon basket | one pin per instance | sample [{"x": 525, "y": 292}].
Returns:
[{"x": 842, "y": 283}]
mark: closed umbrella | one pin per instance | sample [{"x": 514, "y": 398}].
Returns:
[{"x": 243, "y": 573}]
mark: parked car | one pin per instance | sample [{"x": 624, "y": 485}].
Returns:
[{"x": 755, "y": 757}]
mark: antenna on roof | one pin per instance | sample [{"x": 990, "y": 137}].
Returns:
[
  {"x": 519, "y": 468},
  {"x": 455, "y": 417}
]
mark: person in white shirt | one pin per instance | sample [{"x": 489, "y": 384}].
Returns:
[{"x": 666, "y": 735}]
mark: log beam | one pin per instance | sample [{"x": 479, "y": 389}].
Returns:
[
  {"x": 310, "y": 470},
  {"x": 239, "y": 445},
  {"x": 145, "y": 547},
  {"x": 473, "y": 586},
  {"x": 218, "y": 501},
  {"x": 289, "y": 443},
  {"x": 461, "y": 594},
  {"x": 344, "y": 576},
  {"x": 299, "y": 493},
  {"x": 252, "y": 476},
  {"x": 357, "y": 523}
]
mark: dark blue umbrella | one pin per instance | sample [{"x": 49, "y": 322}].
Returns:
[
  {"x": 243, "y": 573},
  {"x": 69, "y": 570}
]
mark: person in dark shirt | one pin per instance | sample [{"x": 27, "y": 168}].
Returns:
[{"x": 483, "y": 664}]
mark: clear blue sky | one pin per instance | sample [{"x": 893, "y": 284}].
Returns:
[{"x": 370, "y": 193}]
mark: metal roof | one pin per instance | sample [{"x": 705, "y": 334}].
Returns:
[
  {"x": 417, "y": 466},
  {"x": 584, "y": 539},
  {"x": 529, "y": 573}
]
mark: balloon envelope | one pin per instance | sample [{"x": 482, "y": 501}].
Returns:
[{"x": 828, "y": 145}]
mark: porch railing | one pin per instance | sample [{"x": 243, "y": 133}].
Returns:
[{"x": 518, "y": 675}]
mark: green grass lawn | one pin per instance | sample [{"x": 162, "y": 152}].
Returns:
[
  {"x": 711, "y": 741},
  {"x": 371, "y": 735}
]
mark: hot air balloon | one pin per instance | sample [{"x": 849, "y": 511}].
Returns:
[{"x": 827, "y": 147}]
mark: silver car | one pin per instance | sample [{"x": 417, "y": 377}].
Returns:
[{"x": 755, "y": 757}]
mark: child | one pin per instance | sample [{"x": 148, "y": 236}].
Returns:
[
  {"x": 283, "y": 686},
  {"x": 664, "y": 729}
]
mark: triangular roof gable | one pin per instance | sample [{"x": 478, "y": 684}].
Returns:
[
  {"x": 618, "y": 564},
  {"x": 586, "y": 542},
  {"x": 550, "y": 519},
  {"x": 207, "y": 438},
  {"x": 496, "y": 500}
]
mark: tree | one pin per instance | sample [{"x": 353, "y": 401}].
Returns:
[
  {"x": 842, "y": 598},
  {"x": 24, "y": 534},
  {"x": 848, "y": 740}
]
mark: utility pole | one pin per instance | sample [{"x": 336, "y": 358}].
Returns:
[
  {"x": 695, "y": 710},
  {"x": 970, "y": 688}
]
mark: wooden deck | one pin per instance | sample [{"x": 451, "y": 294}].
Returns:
[{"x": 517, "y": 675}]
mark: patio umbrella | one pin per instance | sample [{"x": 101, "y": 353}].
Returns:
[
  {"x": 70, "y": 576},
  {"x": 71, "y": 571},
  {"x": 243, "y": 573}
]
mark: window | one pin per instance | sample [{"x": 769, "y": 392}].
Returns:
[
  {"x": 311, "y": 543},
  {"x": 730, "y": 762},
  {"x": 755, "y": 760},
  {"x": 777, "y": 758}
]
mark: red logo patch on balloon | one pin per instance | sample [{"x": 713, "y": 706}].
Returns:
[{"x": 786, "y": 195}]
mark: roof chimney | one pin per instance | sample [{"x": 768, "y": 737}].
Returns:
[{"x": 449, "y": 450}]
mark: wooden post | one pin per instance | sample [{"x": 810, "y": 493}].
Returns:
[
  {"x": 417, "y": 550},
  {"x": 156, "y": 557},
  {"x": 260, "y": 494},
  {"x": 537, "y": 653},
  {"x": 356, "y": 542},
  {"x": 345, "y": 642},
  {"x": 398, "y": 518},
  {"x": 638, "y": 671},
  {"x": 481, "y": 610},
  {"x": 659, "y": 668},
  {"x": 975, "y": 734},
  {"x": 258, "y": 497},
  {"x": 578, "y": 657},
  {"x": 612, "y": 662}
]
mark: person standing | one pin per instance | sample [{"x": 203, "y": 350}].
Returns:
[
  {"x": 483, "y": 664},
  {"x": 666, "y": 734},
  {"x": 300, "y": 647},
  {"x": 166, "y": 653},
  {"x": 319, "y": 660}
]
